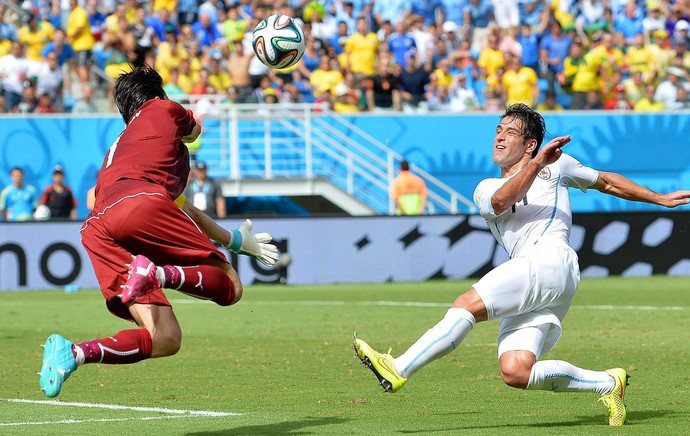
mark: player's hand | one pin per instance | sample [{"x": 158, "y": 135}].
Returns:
[
  {"x": 255, "y": 245},
  {"x": 551, "y": 152},
  {"x": 677, "y": 198}
]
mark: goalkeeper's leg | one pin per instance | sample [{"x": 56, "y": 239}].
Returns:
[{"x": 216, "y": 281}]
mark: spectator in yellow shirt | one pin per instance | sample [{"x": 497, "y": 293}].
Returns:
[
  {"x": 588, "y": 75},
  {"x": 361, "y": 49},
  {"x": 443, "y": 74},
  {"x": 169, "y": 54},
  {"x": 217, "y": 77},
  {"x": 520, "y": 83},
  {"x": 608, "y": 57},
  {"x": 550, "y": 103},
  {"x": 112, "y": 22},
  {"x": 345, "y": 100},
  {"x": 571, "y": 63},
  {"x": 186, "y": 79},
  {"x": 170, "y": 5},
  {"x": 490, "y": 58},
  {"x": 640, "y": 57},
  {"x": 647, "y": 103},
  {"x": 325, "y": 78},
  {"x": 34, "y": 35},
  {"x": 79, "y": 34}
]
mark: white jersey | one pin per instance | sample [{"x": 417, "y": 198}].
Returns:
[{"x": 544, "y": 212}]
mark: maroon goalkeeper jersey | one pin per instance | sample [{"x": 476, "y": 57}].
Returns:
[{"x": 150, "y": 150}]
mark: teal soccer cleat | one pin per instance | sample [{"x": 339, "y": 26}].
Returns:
[{"x": 58, "y": 364}]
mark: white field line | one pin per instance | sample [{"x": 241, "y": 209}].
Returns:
[
  {"x": 79, "y": 421},
  {"x": 172, "y": 413},
  {"x": 422, "y": 304}
]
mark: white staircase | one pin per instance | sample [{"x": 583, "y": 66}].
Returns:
[{"x": 304, "y": 150}]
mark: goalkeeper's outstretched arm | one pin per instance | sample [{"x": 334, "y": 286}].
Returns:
[{"x": 240, "y": 240}]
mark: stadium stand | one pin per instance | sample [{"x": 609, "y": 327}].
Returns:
[{"x": 581, "y": 52}]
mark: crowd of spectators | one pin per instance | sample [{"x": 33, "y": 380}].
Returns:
[{"x": 413, "y": 56}]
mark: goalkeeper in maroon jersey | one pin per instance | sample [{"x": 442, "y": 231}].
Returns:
[{"x": 143, "y": 235}]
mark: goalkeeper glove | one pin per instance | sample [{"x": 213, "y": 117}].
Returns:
[{"x": 254, "y": 245}]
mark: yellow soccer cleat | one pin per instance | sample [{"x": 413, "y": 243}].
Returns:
[
  {"x": 382, "y": 365},
  {"x": 614, "y": 400}
]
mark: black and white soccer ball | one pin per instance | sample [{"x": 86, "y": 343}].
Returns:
[{"x": 278, "y": 41}]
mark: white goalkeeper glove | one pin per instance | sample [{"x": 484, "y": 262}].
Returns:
[{"x": 254, "y": 245}]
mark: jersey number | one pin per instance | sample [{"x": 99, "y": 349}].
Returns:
[
  {"x": 524, "y": 201},
  {"x": 111, "y": 152}
]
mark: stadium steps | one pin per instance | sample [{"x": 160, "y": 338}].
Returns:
[{"x": 302, "y": 151}]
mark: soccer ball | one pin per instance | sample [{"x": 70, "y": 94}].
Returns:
[
  {"x": 42, "y": 213},
  {"x": 278, "y": 41}
]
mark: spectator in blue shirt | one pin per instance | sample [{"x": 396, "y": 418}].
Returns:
[
  {"x": 7, "y": 30},
  {"x": 530, "y": 47},
  {"x": 60, "y": 46},
  {"x": 629, "y": 24},
  {"x": 162, "y": 23},
  {"x": 206, "y": 31},
  {"x": 18, "y": 201},
  {"x": 390, "y": 10},
  {"x": 432, "y": 11},
  {"x": 96, "y": 19},
  {"x": 347, "y": 15},
  {"x": 186, "y": 12},
  {"x": 401, "y": 43},
  {"x": 455, "y": 11},
  {"x": 358, "y": 6},
  {"x": 553, "y": 49},
  {"x": 530, "y": 11},
  {"x": 340, "y": 38},
  {"x": 478, "y": 15}
]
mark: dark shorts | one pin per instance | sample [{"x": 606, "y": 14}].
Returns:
[
  {"x": 135, "y": 218},
  {"x": 83, "y": 58}
]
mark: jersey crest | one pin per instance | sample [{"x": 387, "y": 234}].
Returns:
[{"x": 545, "y": 173}]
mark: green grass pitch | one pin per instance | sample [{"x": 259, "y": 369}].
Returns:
[{"x": 281, "y": 362}]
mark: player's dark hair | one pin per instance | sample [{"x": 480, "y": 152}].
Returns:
[
  {"x": 135, "y": 88},
  {"x": 404, "y": 166},
  {"x": 533, "y": 125}
]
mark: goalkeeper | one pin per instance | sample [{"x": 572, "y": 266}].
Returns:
[{"x": 143, "y": 235}]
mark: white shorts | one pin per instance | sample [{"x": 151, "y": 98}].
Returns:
[
  {"x": 533, "y": 289},
  {"x": 524, "y": 339}
]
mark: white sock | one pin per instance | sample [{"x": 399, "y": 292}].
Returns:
[
  {"x": 560, "y": 376},
  {"x": 80, "y": 355},
  {"x": 160, "y": 275},
  {"x": 438, "y": 341}
]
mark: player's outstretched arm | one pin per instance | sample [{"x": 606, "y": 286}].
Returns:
[
  {"x": 240, "y": 240},
  {"x": 620, "y": 186}
]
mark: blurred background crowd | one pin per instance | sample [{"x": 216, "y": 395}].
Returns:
[{"x": 412, "y": 56}]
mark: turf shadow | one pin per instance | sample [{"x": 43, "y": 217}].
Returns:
[
  {"x": 286, "y": 427},
  {"x": 634, "y": 417}
]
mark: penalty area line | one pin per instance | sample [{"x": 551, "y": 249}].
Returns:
[{"x": 207, "y": 413}]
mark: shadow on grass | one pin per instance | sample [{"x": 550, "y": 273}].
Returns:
[
  {"x": 634, "y": 417},
  {"x": 287, "y": 427}
]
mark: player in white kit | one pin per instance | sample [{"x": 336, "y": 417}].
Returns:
[{"x": 528, "y": 211}]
